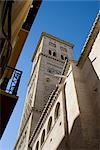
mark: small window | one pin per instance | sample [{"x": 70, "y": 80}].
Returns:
[
  {"x": 54, "y": 54},
  {"x": 37, "y": 146},
  {"x": 43, "y": 137},
  {"x": 62, "y": 57},
  {"x": 57, "y": 110},
  {"x": 49, "y": 52},
  {"x": 49, "y": 70},
  {"x": 49, "y": 124},
  {"x": 66, "y": 58},
  {"x": 48, "y": 79},
  {"x": 52, "y": 44},
  {"x": 25, "y": 132}
]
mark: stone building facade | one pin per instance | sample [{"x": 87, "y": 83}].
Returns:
[{"x": 62, "y": 108}]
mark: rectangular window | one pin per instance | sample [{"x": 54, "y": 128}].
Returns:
[{"x": 52, "y": 44}]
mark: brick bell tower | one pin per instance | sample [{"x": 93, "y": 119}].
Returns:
[{"x": 48, "y": 59}]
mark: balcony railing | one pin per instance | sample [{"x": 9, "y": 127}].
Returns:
[{"x": 11, "y": 84}]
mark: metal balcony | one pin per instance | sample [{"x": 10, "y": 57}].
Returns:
[{"x": 8, "y": 98}]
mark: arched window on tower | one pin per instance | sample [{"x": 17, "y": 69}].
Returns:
[
  {"x": 37, "y": 146},
  {"x": 43, "y": 137},
  {"x": 57, "y": 111},
  {"x": 49, "y": 52},
  {"x": 54, "y": 54},
  {"x": 62, "y": 57},
  {"x": 49, "y": 124}
]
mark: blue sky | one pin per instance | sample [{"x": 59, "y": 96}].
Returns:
[{"x": 68, "y": 20}]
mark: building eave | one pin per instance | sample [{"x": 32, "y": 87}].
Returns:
[{"x": 89, "y": 42}]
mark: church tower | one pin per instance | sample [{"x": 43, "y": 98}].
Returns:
[{"x": 48, "y": 60}]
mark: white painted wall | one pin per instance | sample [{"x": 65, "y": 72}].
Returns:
[
  {"x": 95, "y": 54},
  {"x": 71, "y": 100}
]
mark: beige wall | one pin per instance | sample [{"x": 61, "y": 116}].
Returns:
[
  {"x": 57, "y": 132},
  {"x": 86, "y": 83}
]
